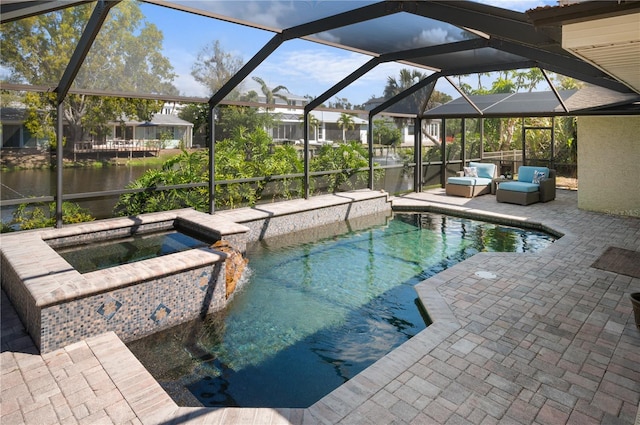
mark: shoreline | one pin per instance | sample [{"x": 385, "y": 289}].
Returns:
[{"x": 31, "y": 159}]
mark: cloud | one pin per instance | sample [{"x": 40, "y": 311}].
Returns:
[
  {"x": 311, "y": 72},
  {"x": 184, "y": 81},
  {"x": 188, "y": 86},
  {"x": 308, "y": 71},
  {"x": 519, "y": 5},
  {"x": 432, "y": 36},
  {"x": 269, "y": 14}
]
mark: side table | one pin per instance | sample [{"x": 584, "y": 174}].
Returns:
[{"x": 494, "y": 183}]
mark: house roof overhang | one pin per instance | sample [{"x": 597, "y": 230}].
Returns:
[{"x": 605, "y": 34}]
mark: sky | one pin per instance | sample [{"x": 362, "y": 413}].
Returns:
[{"x": 303, "y": 67}]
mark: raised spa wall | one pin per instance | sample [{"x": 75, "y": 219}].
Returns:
[{"x": 59, "y": 306}]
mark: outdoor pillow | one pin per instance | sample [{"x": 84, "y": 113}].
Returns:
[
  {"x": 470, "y": 172},
  {"x": 537, "y": 176}
]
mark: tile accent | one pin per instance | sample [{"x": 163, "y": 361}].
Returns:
[
  {"x": 160, "y": 313},
  {"x": 109, "y": 308}
]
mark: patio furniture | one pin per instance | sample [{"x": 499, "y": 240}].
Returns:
[
  {"x": 534, "y": 184},
  {"x": 496, "y": 181},
  {"x": 475, "y": 180}
]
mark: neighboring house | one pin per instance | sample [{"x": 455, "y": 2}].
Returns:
[
  {"x": 178, "y": 132},
  {"x": 14, "y": 133},
  {"x": 431, "y": 128},
  {"x": 290, "y": 123}
]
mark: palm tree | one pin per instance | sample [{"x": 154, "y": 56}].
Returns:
[
  {"x": 345, "y": 122},
  {"x": 271, "y": 94},
  {"x": 313, "y": 123},
  {"x": 407, "y": 79}
]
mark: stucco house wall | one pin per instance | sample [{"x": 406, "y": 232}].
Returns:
[{"x": 609, "y": 164}]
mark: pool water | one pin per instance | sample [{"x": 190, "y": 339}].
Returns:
[
  {"x": 313, "y": 315},
  {"x": 94, "y": 256}
]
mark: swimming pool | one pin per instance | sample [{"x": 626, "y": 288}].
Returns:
[{"x": 314, "y": 314}]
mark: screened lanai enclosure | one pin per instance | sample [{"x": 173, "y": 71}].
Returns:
[{"x": 287, "y": 99}]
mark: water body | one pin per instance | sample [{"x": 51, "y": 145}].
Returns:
[
  {"x": 21, "y": 184},
  {"x": 313, "y": 315}
]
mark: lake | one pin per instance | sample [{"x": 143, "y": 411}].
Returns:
[
  {"x": 29, "y": 183},
  {"x": 32, "y": 183}
]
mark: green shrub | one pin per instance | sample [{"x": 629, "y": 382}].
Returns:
[{"x": 40, "y": 215}]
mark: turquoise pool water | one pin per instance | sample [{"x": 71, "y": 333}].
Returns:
[{"x": 313, "y": 315}]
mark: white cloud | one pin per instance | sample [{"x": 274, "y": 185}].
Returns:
[
  {"x": 432, "y": 36},
  {"x": 182, "y": 61},
  {"x": 309, "y": 71},
  {"x": 269, "y": 14},
  {"x": 519, "y": 5},
  {"x": 188, "y": 86}
]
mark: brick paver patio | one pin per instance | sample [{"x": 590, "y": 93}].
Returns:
[{"x": 541, "y": 338}]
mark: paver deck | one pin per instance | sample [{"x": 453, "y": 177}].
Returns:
[{"x": 548, "y": 340}]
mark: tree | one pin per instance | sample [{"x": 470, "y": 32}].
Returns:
[
  {"x": 198, "y": 115},
  {"x": 314, "y": 123},
  {"x": 345, "y": 122},
  {"x": 341, "y": 103},
  {"x": 214, "y": 67},
  {"x": 395, "y": 86},
  {"x": 414, "y": 102},
  {"x": 231, "y": 117},
  {"x": 568, "y": 83},
  {"x": 271, "y": 93},
  {"x": 125, "y": 57},
  {"x": 528, "y": 79},
  {"x": 40, "y": 215},
  {"x": 407, "y": 79},
  {"x": 385, "y": 134}
]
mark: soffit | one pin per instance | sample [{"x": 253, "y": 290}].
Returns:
[{"x": 612, "y": 44}]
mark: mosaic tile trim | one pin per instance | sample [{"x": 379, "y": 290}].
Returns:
[
  {"x": 203, "y": 281},
  {"x": 160, "y": 313},
  {"x": 109, "y": 308}
]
